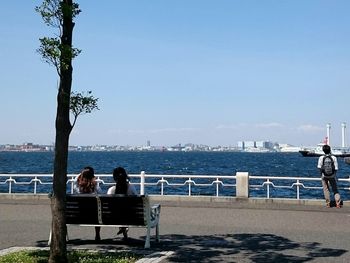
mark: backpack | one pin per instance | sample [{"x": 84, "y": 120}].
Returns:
[{"x": 328, "y": 168}]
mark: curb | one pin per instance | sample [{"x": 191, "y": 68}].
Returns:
[
  {"x": 202, "y": 201},
  {"x": 17, "y": 249},
  {"x": 155, "y": 257}
]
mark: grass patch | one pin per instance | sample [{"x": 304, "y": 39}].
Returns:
[{"x": 76, "y": 256}]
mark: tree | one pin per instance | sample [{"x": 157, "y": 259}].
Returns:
[{"x": 59, "y": 52}]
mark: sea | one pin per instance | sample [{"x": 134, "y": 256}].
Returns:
[{"x": 177, "y": 163}]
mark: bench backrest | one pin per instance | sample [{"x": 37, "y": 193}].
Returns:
[
  {"x": 81, "y": 209},
  {"x": 106, "y": 209}
]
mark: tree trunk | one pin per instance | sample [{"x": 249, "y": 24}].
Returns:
[{"x": 58, "y": 247}]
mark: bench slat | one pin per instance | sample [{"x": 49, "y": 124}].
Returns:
[
  {"x": 80, "y": 209},
  {"x": 123, "y": 210}
]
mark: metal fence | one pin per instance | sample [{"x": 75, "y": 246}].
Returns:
[{"x": 208, "y": 185}]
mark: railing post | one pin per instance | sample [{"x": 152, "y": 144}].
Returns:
[
  {"x": 298, "y": 183},
  {"x": 268, "y": 188},
  {"x": 189, "y": 186},
  {"x": 10, "y": 185},
  {"x": 142, "y": 183},
  {"x": 98, "y": 181},
  {"x": 162, "y": 187},
  {"x": 35, "y": 180},
  {"x": 217, "y": 186},
  {"x": 242, "y": 184},
  {"x": 72, "y": 186}
]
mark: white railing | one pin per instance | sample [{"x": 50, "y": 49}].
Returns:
[{"x": 216, "y": 185}]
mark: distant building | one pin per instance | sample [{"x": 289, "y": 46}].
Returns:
[
  {"x": 176, "y": 148},
  {"x": 251, "y": 145},
  {"x": 264, "y": 144},
  {"x": 241, "y": 145}
]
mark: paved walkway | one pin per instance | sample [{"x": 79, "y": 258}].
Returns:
[{"x": 202, "y": 231}]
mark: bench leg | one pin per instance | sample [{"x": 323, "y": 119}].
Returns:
[
  {"x": 50, "y": 236},
  {"x": 157, "y": 233},
  {"x": 147, "y": 242}
]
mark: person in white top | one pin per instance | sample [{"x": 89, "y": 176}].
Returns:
[
  {"x": 328, "y": 166},
  {"x": 122, "y": 187},
  {"x": 85, "y": 183}
]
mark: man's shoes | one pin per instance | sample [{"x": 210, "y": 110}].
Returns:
[{"x": 328, "y": 203}]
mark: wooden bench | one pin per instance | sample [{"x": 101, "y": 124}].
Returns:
[{"x": 113, "y": 211}]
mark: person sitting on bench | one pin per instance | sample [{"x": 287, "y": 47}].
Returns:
[
  {"x": 85, "y": 184},
  {"x": 123, "y": 187}
]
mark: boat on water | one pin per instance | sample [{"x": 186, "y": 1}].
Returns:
[
  {"x": 336, "y": 151},
  {"x": 317, "y": 151}
]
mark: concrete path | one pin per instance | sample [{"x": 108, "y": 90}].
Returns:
[{"x": 202, "y": 231}]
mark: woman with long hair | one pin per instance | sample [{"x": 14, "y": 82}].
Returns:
[
  {"x": 85, "y": 183},
  {"x": 122, "y": 187}
]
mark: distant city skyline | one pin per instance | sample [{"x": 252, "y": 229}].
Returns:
[
  {"x": 336, "y": 141},
  {"x": 239, "y": 144},
  {"x": 200, "y": 71},
  {"x": 248, "y": 146}
]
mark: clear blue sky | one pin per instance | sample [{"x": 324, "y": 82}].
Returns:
[{"x": 201, "y": 71}]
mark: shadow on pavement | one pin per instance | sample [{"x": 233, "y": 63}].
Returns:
[
  {"x": 243, "y": 248},
  {"x": 220, "y": 248}
]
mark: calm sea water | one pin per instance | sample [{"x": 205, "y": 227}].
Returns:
[{"x": 202, "y": 163}]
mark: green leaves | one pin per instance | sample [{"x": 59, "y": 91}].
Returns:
[
  {"x": 56, "y": 54},
  {"x": 52, "y": 12},
  {"x": 70, "y": 10},
  {"x": 52, "y": 50},
  {"x": 67, "y": 55},
  {"x": 81, "y": 103}
]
